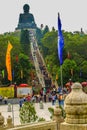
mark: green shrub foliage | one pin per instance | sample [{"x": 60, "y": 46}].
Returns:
[{"x": 27, "y": 113}]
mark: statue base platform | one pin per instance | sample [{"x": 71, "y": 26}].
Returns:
[
  {"x": 26, "y": 26},
  {"x": 66, "y": 126}
]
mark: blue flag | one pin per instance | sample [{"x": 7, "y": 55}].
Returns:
[{"x": 60, "y": 41}]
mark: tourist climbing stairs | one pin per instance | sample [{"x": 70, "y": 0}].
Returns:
[
  {"x": 40, "y": 67},
  {"x": 34, "y": 52}
]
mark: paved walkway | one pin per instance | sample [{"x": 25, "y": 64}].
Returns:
[{"x": 15, "y": 114}]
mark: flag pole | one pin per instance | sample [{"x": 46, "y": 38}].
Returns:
[{"x": 61, "y": 77}]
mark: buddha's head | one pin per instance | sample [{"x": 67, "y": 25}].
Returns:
[{"x": 26, "y": 8}]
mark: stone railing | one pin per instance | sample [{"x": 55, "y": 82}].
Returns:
[
  {"x": 53, "y": 124},
  {"x": 50, "y": 125},
  {"x": 8, "y": 125}
]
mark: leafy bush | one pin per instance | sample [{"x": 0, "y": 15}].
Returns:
[
  {"x": 63, "y": 112},
  {"x": 51, "y": 110},
  {"x": 41, "y": 119},
  {"x": 27, "y": 113}
]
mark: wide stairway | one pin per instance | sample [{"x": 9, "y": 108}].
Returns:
[{"x": 43, "y": 76}]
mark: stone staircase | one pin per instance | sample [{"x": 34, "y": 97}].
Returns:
[{"x": 40, "y": 67}]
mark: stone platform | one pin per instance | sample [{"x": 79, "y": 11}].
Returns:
[
  {"x": 67, "y": 126},
  {"x": 15, "y": 113}
]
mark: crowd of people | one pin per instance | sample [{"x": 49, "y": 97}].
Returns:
[{"x": 50, "y": 95}]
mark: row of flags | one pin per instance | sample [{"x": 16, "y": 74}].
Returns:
[
  {"x": 8, "y": 65},
  {"x": 13, "y": 74},
  {"x": 71, "y": 72},
  {"x": 60, "y": 53}
]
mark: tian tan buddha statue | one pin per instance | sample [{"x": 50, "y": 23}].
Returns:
[{"x": 26, "y": 20}]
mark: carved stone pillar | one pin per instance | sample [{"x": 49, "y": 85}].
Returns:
[
  {"x": 1, "y": 120},
  {"x": 76, "y": 106},
  {"x": 76, "y": 109},
  {"x": 9, "y": 122},
  {"x": 58, "y": 115}
]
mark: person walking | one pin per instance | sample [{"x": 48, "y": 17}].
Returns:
[
  {"x": 5, "y": 100},
  {"x": 44, "y": 94},
  {"x": 28, "y": 98},
  {"x": 21, "y": 102},
  {"x": 53, "y": 99}
]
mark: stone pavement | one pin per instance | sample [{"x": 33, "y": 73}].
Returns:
[{"x": 15, "y": 113}]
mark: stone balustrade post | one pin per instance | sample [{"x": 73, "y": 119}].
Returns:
[
  {"x": 57, "y": 116},
  {"x": 75, "y": 109},
  {"x": 9, "y": 109},
  {"x": 1, "y": 120},
  {"x": 9, "y": 122}
]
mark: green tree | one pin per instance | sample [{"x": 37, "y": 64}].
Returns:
[
  {"x": 74, "y": 44},
  {"x": 3, "y": 49},
  {"x": 83, "y": 68},
  {"x": 25, "y": 66},
  {"x": 46, "y": 29},
  {"x": 67, "y": 66},
  {"x": 25, "y": 41},
  {"x": 39, "y": 35}
]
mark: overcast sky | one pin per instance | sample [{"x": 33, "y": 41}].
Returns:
[{"x": 73, "y": 13}]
